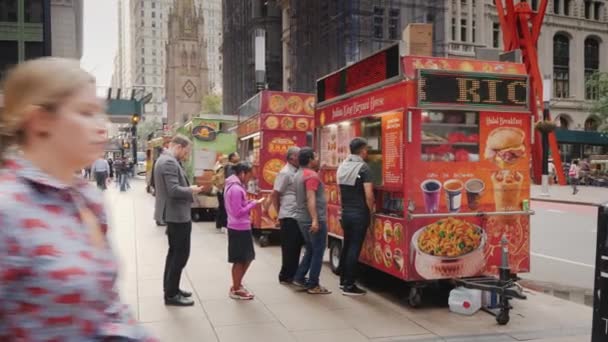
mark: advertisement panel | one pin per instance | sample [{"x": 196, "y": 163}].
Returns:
[
  {"x": 481, "y": 167},
  {"x": 385, "y": 247},
  {"x": 412, "y": 64},
  {"x": 288, "y": 103},
  {"x": 285, "y": 122},
  {"x": 392, "y": 150}
]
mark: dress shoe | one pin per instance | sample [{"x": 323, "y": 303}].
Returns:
[
  {"x": 185, "y": 293},
  {"x": 161, "y": 224},
  {"x": 179, "y": 300}
]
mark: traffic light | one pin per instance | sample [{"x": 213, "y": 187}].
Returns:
[{"x": 135, "y": 119}]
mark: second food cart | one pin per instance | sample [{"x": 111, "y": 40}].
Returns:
[
  {"x": 449, "y": 149},
  {"x": 269, "y": 124}
]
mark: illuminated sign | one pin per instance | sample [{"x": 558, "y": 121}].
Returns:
[{"x": 441, "y": 88}]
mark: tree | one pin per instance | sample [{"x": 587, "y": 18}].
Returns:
[
  {"x": 211, "y": 104},
  {"x": 144, "y": 128},
  {"x": 598, "y": 82}
]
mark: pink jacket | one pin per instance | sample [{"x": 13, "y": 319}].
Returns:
[{"x": 237, "y": 205}]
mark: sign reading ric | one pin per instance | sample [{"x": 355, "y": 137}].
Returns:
[{"x": 442, "y": 88}]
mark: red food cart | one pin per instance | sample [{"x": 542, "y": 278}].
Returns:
[
  {"x": 449, "y": 149},
  {"x": 270, "y": 123}
]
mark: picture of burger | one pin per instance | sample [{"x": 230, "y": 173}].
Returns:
[{"x": 505, "y": 146}]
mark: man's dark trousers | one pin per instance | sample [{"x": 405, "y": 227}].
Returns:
[
  {"x": 355, "y": 226},
  {"x": 178, "y": 235},
  {"x": 291, "y": 246}
]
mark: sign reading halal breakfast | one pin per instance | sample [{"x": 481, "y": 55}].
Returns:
[{"x": 437, "y": 87}]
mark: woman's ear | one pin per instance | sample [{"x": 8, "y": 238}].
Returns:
[{"x": 37, "y": 121}]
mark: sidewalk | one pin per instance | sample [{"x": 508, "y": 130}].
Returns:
[
  {"x": 587, "y": 195},
  {"x": 281, "y": 314}
]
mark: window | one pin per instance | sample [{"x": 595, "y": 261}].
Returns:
[
  {"x": 474, "y": 31},
  {"x": 143, "y": 60},
  {"x": 143, "y": 50},
  {"x": 567, "y": 4},
  {"x": 153, "y": 24},
  {"x": 592, "y": 124},
  {"x": 34, "y": 50},
  {"x": 8, "y": 12},
  {"x": 592, "y": 64},
  {"x": 463, "y": 30},
  {"x": 496, "y": 35},
  {"x": 393, "y": 24},
  {"x": 598, "y": 10},
  {"x": 453, "y": 29},
  {"x": 534, "y": 4},
  {"x": 378, "y": 22},
  {"x": 33, "y": 11},
  {"x": 588, "y": 5},
  {"x": 556, "y": 6},
  {"x": 9, "y": 55},
  {"x": 561, "y": 66},
  {"x": 264, "y": 7},
  {"x": 153, "y": 4},
  {"x": 153, "y": 14}
]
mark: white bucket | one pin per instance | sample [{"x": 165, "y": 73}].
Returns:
[{"x": 465, "y": 301}]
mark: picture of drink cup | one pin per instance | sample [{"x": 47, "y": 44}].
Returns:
[
  {"x": 507, "y": 190},
  {"x": 431, "y": 189},
  {"x": 474, "y": 188},
  {"x": 453, "y": 190}
]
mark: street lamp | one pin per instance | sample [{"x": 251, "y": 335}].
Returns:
[{"x": 547, "y": 90}]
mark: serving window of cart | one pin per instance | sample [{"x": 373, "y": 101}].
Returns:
[
  {"x": 450, "y": 155},
  {"x": 269, "y": 124}
]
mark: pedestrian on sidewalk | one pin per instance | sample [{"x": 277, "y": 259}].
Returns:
[
  {"x": 574, "y": 174},
  {"x": 312, "y": 220},
  {"x": 357, "y": 198},
  {"x": 174, "y": 196},
  {"x": 121, "y": 174},
  {"x": 219, "y": 179},
  {"x": 233, "y": 159},
  {"x": 283, "y": 198},
  {"x": 58, "y": 269},
  {"x": 101, "y": 170},
  {"x": 240, "y": 239}
]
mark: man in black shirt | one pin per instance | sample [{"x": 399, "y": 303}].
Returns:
[{"x": 357, "y": 198}]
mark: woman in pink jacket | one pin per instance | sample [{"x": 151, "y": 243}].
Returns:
[{"x": 240, "y": 240}]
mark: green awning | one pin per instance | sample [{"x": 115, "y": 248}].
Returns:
[
  {"x": 123, "y": 107},
  {"x": 581, "y": 137}
]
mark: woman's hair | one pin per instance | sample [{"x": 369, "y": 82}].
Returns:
[
  {"x": 242, "y": 167},
  {"x": 44, "y": 82},
  {"x": 575, "y": 161}
]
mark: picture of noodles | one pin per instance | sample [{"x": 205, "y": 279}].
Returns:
[
  {"x": 388, "y": 256},
  {"x": 302, "y": 124},
  {"x": 398, "y": 233},
  {"x": 378, "y": 253},
  {"x": 277, "y": 103},
  {"x": 309, "y": 105},
  {"x": 388, "y": 233},
  {"x": 449, "y": 238},
  {"x": 271, "y": 169},
  {"x": 378, "y": 230},
  {"x": 287, "y": 123},
  {"x": 272, "y": 122},
  {"x": 295, "y": 104}
]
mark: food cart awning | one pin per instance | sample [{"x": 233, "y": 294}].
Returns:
[{"x": 581, "y": 137}]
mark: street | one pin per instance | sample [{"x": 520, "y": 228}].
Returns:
[
  {"x": 563, "y": 244},
  {"x": 280, "y": 313}
]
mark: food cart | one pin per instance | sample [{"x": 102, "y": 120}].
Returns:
[
  {"x": 449, "y": 149},
  {"x": 212, "y": 136},
  {"x": 270, "y": 123}
]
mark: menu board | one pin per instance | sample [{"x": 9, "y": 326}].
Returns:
[
  {"x": 392, "y": 149},
  {"x": 329, "y": 146}
]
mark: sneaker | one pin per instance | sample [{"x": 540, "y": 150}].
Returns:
[
  {"x": 285, "y": 281},
  {"x": 299, "y": 283},
  {"x": 353, "y": 290},
  {"x": 241, "y": 294},
  {"x": 318, "y": 290},
  {"x": 178, "y": 300}
]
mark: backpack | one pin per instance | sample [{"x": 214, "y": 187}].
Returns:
[{"x": 572, "y": 172}]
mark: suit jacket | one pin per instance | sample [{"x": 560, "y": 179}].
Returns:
[{"x": 173, "y": 193}]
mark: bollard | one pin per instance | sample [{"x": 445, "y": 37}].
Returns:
[{"x": 599, "y": 332}]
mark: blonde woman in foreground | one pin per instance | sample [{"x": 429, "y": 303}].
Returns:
[{"x": 57, "y": 271}]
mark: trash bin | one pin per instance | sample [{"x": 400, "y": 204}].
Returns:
[{"x": 600, "y": 294}]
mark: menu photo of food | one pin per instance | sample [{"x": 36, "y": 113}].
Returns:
[
  {"x": 277, "y": 103},
  {"x": 302, "y": 124},
  {"x": 271, "y": 169},
  {"x": 295, "y": 104},
  {"x": 505, "y": 146},
  {"x": 449, "y": 248},
  {"x": 383, "y": 246},
  {"x": 507, "y": 186},
  {"x": 272, "y": 122},
  {"x": 309, "y": 105}
]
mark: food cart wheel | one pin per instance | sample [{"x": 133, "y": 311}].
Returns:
[
  {"x": 196, "y": 215},
  {"x": 335, "y": 250},
  {"x": 414, "y": 298},
  {"x": 503, "y": 317},
  {"x": 264, "y": 240}
]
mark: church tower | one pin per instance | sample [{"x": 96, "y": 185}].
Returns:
[{"x": 187, "y": 74}]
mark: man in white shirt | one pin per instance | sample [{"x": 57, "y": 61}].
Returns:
[{"x": 101, "y": 169}]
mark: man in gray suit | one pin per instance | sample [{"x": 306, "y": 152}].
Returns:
[{"x": 173, "y": 201}]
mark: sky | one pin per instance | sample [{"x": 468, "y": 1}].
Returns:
[{"x": 100, "y": 35}]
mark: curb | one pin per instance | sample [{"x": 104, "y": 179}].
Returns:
[{"x": 544, "y": 199}]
